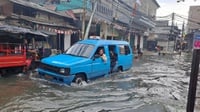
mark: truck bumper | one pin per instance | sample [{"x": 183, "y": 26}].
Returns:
[{"x": 56, "y": 77}]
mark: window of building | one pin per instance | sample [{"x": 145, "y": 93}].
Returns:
[
  {"x": 49, "y": 17},
  {"x": 1, "y": 11},
  {"x": 97, "y": 8},
  {"x": 22, "y": 10},
  {"x": 101, "y": 9},
  {"x": 93, "y": 6},
  {"x": 104, "y": 9}
]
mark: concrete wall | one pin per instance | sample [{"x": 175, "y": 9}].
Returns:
[
  {"x": 104, "y": 30},
  {"x": 141, "y": 42},
  {"x": 67, "y": 41},
  {"x": 6, "y": 8},
  {"x": 194, "y": 14},
  {"x": 148, "y": 7},
  {"x": 121, "y": 13},
  {"x": 104, "y": 11},
  {"x": 44, "y": 16}
]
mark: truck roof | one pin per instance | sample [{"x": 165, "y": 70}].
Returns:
[{"x": 100, "y": 42}]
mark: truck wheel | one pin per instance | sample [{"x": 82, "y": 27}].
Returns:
[
  {"x": 16, "y": 70},
  {"x": 79, "y": 79},
  {"x": 2, "y": 72},
  {"x": 120, "y": 69}
]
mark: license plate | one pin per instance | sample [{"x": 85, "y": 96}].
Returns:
[{"x": 48, "y": 77}]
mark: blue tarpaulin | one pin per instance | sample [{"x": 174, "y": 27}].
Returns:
[{"x": 73, "y": 4}]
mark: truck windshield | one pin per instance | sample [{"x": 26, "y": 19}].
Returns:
[{"x": 82, "y": 50}]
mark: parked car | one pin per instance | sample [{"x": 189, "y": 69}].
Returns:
[{"x": 82, "y": 61}]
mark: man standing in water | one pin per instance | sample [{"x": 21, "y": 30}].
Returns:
[{"x": 113, "y": 60}]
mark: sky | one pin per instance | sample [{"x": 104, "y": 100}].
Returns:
[{"x": 167, "y": 7}]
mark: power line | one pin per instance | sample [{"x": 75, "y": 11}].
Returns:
[
  {"x": 167, "y": 17},
  {"x": 189, "y": 19},
  {"x": 164, "y": 16}
]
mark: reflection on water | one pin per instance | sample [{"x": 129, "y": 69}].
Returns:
[{"x": 154, "y": 84}]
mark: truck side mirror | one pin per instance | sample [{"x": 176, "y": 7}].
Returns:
[{"x": 95, "y": 57}]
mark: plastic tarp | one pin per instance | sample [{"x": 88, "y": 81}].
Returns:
[{"x": 73, "y": 4}]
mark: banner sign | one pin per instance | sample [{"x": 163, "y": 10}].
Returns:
[{"x": 196, "y": 42}]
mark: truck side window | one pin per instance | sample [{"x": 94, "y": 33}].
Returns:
[
  {"x": 121, "y": 49},
  {"x": 127, "y": 50},
  {"x": 98, "y": 49},
  {"x": 124, "y": 49}
]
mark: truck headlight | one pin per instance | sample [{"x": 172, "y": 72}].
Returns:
[{"x": 62, "y": 70}]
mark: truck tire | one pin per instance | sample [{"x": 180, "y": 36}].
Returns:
[
  {"x": 120, "y": 69},
  {"x": 79, "y": 79}
]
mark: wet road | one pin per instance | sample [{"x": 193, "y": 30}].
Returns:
[{"x": 154, "y": 84}]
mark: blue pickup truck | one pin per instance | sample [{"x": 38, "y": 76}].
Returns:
[{"x": 82, "y": 61}]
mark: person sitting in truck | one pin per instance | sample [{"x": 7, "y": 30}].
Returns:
[{"x": 102, "y": 55}]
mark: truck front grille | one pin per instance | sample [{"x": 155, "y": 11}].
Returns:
[{"x": 49, "y": 68}]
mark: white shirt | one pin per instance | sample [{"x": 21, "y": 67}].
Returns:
[{"x": 104, "y": 57}]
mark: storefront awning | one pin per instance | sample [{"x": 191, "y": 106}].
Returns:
[{"x": 19, "y": 30}]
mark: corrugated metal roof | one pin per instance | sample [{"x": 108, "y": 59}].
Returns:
[
  {"x": 14, "y": 29},
  {"x": 39, "y": 7}
]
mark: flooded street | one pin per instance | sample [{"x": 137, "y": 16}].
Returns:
[{"x": 154, "y": 84}]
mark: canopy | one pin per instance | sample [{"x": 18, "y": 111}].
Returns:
[{"x": 19, "y": 30}]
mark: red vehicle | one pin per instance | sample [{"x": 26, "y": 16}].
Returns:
[
  {"x": 13, "y": 58},
  {"x": 15, "y": 52}
]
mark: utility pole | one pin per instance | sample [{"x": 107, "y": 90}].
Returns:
[
  {"x": 194, "y": 73},
  {"x": 83, "y": 19},
  {"x": 90, "y": 21},
  {"x": 172, "y": 30},
  {"x": 183, "y": 28},
  {"x": 173, "y": 14},
  {"x": 182, "y": 35}
]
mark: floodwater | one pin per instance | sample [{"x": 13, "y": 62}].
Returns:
[{"x": 154, "y": 84}]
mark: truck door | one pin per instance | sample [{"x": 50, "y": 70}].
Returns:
[
  {"x": 125, "y": 57},
  {"x": 100, "y": 66},
  {"x": 113, "y": 57}
]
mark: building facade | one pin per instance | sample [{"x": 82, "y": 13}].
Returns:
[
  {"x": 166, "y": 36},
  {"x": 142, "y": 20},
  {"x": 193, "y": 19},
  {"x": 26, "y": 14},
  {"x": 193, "y": 26},
  {"x": 130, "y": 20}
]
